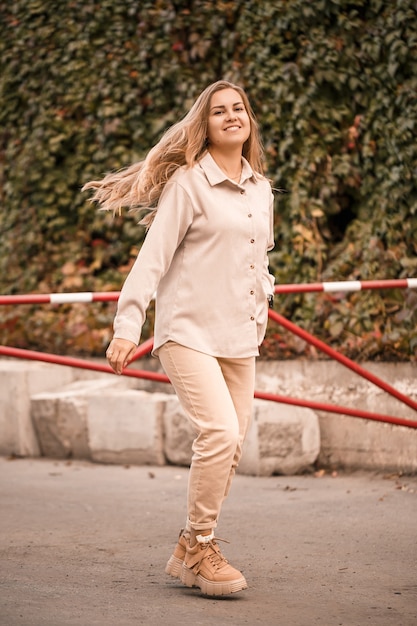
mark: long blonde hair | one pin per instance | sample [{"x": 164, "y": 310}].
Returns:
[{"x": 140, "y": 185}]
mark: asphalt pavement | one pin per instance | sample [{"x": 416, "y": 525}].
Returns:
[{"x": 84, "y": 544}]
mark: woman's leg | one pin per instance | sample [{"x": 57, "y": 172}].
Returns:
[
  {"x": 239, "y": 375},
  {"x": 217, "y": 396}
]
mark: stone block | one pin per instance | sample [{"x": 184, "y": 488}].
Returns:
[
  {"x": 126, "y": 427},
  {"x": 18, "y": 381},
  {"x": 351, "y": 443},
  {"x": 282, "y": 439},
  {"x": 60, "y": 418},
  {"x": 179, "y": 434}
]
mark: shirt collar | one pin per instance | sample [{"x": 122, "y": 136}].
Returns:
[{"x": 215, "y": 174}]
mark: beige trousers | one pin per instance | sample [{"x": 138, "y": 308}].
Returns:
[{"x": 217, "y": 395}]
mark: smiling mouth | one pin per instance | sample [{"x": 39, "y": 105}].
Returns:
[{"x": 232, "y": 128}]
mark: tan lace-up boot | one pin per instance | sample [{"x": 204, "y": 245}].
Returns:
[
  {"x": 205, "y": 567},
  {"x": 174, "y": 565}
]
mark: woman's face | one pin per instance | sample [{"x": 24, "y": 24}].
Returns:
[{"x": 228, "y": 124}]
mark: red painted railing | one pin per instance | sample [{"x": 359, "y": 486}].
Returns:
[{"x": 146, "y": 347}]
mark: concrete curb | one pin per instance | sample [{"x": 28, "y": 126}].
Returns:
[
  {"x": 112, "y": 424},
  {"x": 60, "y": 412}
]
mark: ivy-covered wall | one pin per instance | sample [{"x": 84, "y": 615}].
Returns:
[{"x": 89, "y": 87}]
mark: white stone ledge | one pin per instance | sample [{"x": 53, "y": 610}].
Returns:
[
  {"x": 282, "y": 439},
  {"x": 64, "y": 412},
  {"x": 125, "y": 426},
  {"x": 117, "y": 425}
]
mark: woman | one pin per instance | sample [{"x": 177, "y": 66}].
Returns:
[{"x": 205, "y": 256}]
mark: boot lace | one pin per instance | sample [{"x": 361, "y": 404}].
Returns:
[{"x": 211, "y": 551}]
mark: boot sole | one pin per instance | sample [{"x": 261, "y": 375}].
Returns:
[{"x": 209, "y": 587}]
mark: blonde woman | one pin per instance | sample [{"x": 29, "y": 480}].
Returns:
[{"x": 205, "y": 256}]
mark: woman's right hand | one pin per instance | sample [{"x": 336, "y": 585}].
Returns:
[{"x": 119, "y": 354}]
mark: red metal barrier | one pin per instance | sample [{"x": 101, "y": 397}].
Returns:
[
  {"x": 146, "y": 347},
  {"x": 112, "y": 296},
  {"x": 341, "y": 410},
  {"x": 296, "y": 330},
  {"x": 348, "y": 285},
  {"x": 70, "y": 361},
  {"x": 162, "y": 378},
  {"x": 61, "y": 298}
]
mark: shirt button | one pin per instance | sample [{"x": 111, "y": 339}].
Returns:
[
  {"x": 249, "y": 214},
  {"x": 242, "y": 191},
  {"x": 252, "y": 292},
  {"x": 252, "y": 267},
  {"x": 252, "y": 240},
  {"x": 252, "y": 318}
]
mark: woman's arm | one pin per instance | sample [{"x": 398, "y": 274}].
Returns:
[{"x": 172, "y": 220}]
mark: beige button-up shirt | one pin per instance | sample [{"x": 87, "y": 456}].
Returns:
[{"x": 205, "y": 256}]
